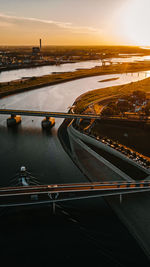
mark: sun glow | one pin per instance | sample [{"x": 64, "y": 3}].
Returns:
[{"x": 136, "y": 21}]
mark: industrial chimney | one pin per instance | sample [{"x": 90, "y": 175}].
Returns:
[{"x": 40, "y": 43}]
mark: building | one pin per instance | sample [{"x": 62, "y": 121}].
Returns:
[{"x": 35, "y": 51}]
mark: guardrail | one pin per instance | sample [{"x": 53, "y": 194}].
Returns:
[{"x": 43, "y": 194}]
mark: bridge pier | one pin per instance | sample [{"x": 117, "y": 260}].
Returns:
[
  {"x": 13, "y": 120},
  {"x": 48, "y": 122}
]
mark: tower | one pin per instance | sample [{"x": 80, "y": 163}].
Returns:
[{"x": 40, "y": 43}]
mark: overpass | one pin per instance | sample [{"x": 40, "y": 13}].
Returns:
[
  {"x": 45, "y": 194},
  {"x": 129, "y": 117},
  {"x": 48, "y": 114}
]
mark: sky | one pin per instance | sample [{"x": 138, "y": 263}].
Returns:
[{"x": 74, "y": 22}]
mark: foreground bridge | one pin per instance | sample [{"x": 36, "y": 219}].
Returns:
[
  {"x": 130, "y": 117},
  {"x": 48, "y": 114},
  {"x": 44, "y": 194}
]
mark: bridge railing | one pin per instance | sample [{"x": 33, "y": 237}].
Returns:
[{"x": 43, "y": 194}]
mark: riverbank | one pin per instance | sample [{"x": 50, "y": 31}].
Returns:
[
  {"x": 133, "y": 211},
  {"x": 102, "y": 96},
  {"x": 8, "y": 88},
  {"x": 33, "y": 65},
  {"x": 109, "y": 80}
]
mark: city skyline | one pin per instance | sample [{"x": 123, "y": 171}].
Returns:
[{"x": 70, "y": 22}]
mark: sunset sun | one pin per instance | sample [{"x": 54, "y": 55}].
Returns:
[{"x": 136, "y": 22}]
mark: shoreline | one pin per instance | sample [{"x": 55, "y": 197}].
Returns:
[
  {"x": 128, "y": 210},
  {"x": 34, "y": 65},
  {"x": 98, "y": 95},
  {"x": 8, "y": 88},
  {"x": 133, "y": 211},
  {"x": 41, "y": 64}
]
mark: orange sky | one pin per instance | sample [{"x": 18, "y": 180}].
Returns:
[{"x": 74, "y": 22}]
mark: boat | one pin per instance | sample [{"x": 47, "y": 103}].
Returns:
[{"x": 23, "y": 178}]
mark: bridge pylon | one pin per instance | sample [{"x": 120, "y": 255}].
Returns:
[
  {"x": 48, "y": 122},
  {"x": 13, "y": 120}
]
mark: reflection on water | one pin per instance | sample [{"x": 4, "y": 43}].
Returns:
[
  {"x": 45, "y": 70},
  {"x": 59, "y": 97},
  {"x": 145, "y": 47},
  {"x": 147, "y": 74},
  {"x": 7, "y": 76},
  {"x": 41, "y": 152}
]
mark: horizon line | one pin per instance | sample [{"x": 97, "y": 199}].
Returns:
[{"x": 31, "y": 45}]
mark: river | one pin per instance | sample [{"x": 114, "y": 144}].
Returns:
[
  {"x": 7, "y": 76},
  {"x": 28, "y": 145},
  {"x": 94, "y": 227}
]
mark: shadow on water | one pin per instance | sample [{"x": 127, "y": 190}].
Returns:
[
  {"x": 79, "y": 232},
  {"x": 16, "y": 130},
  {"x": 39, "y": 151},
  {"x": 46, "y": 132}
]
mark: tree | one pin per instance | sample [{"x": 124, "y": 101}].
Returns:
[
  {"x": 139, "y": 95},
  {"x": 123, "y": 106},
  {"x": 147, "y": 109},
  {"x": 107, "y": 111}
]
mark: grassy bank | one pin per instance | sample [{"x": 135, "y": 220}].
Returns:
[
  {"x": 124, "y": 133},
  {"x": 106, "y": 94},
  {"x": 17, "y": 86}
]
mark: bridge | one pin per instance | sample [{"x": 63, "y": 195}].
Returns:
[
  {"x": 35, "y": 113},
  {"x": 45, "y": 194},
  {"x": 48, "y": 114}
]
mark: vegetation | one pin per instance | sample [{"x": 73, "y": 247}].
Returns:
[
  {"x": 37, "y": 82},
  {"x": 109, "y": 94},
  {"x": 76, "y": 50},
  {"x": 147, "y": 109},
  {"x": 128, "y": 103},
  {"x": 115, "y": 133}
]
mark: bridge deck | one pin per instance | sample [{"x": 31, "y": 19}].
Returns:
[
  {"x": 73, "y": 115},
  {"x": 48, "y": 114},
  {"x": 21, "y": 196}
]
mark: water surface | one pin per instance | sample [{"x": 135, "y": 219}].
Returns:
[
  {"x": 10, "y": 75},
  {"x": 89, "y": 231}
]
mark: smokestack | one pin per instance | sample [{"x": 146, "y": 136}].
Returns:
[{"x": 40, "y": 43}]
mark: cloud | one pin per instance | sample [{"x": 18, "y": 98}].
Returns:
[
  {"x": 6, "y": 20},
  {"x": 5, "y": 24}
]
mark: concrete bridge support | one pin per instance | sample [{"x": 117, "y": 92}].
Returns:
[
  {"x": 13, "y": 120},
  {"x": 48, "y": 122}
]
